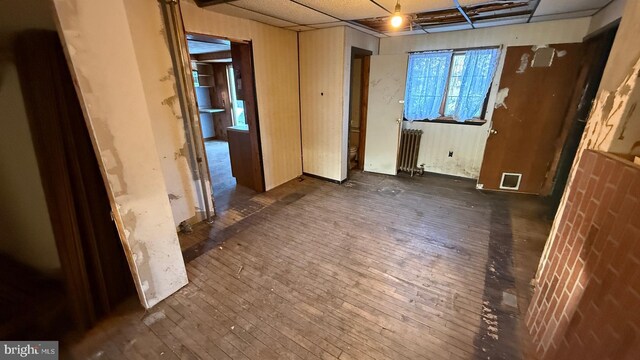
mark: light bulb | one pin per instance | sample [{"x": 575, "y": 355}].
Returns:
[{"x": 396, "y": 20}]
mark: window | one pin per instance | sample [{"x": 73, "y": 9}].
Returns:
[
  {"x": 237, "y": 106},
  {"x": 452, "y": 84}
]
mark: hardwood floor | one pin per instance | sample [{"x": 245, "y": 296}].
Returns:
[{"x": 376, "y": 268}]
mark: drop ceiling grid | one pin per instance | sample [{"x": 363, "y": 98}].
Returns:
[
  {"x": 230, "y": 10},
  {"x": 285, "y": 10},
  {"x": 346, "y": 9}
]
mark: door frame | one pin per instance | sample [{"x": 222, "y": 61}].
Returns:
[
  {"x": 365, "y": 55},
  {"x": 252, "y": 122}
]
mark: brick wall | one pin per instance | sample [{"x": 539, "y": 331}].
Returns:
[{"x": 586, "y": 304}]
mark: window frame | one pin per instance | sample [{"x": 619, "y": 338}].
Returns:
[{"x": 483, "y": 113}]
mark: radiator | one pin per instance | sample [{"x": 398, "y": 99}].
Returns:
[{"x": 409, "y": 149}]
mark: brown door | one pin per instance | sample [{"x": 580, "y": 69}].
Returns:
[
  {"x": 242, "y": 58},
  {"x": 522, "y": 142}
]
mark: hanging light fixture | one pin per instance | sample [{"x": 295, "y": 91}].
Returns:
[{"x": 396, "y": 19}]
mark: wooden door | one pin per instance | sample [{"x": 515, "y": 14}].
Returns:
[
  {"x": 387, "y": 78},
  {"x": 527, "y": 125},
  {"x": 242, "y": 58}
]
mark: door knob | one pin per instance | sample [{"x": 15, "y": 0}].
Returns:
[{"x": 493, "y": 131}]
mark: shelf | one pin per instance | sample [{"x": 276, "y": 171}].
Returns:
[
  {"x": 204, "y": 86},
  {"x": 211, "y": 111},
  {"x": 205, "y": 74}
]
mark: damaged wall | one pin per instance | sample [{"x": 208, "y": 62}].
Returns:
[
  {"x": 468, "y": 142},
  {"x": 98, "y": 41},
  {"x": 156, "y": 71},
  {"x": 613, "y": 126},
  {"x": 275, "y": 53}
]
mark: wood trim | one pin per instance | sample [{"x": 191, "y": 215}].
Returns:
[
  {"x": 364, "y": 105},
  {"x": 242, "y": 55}
]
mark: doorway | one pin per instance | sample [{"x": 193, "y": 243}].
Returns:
[
  {"x": 223, "y": 79},
  {"x": 358, "y": 99}
]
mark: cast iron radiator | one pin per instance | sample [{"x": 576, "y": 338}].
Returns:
[{"x": 409, "y": 149}]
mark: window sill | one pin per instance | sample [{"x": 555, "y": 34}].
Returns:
[{"x": 448, "y": 120}]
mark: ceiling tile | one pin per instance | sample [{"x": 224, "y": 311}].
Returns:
[
  {"x": 285, "y": 10},
  {"x": 246, "y": 14},
  {"x": 346, "y": 9},
  {"x": 548, "y": 7},
  {"x": 202, "y": 47}
]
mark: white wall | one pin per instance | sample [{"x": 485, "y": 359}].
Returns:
[
  {"x": 275, "y": 53},
  {"x": 156, "y": 71},
  {"x": 27, "y": 235},
  {"x": 99, "y": 44},
  {"x": 467, "y": 141}
]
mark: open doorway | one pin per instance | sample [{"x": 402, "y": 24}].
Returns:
[
  {"x": 358, "y": 97},
  {"x": 225, "y": 96}
]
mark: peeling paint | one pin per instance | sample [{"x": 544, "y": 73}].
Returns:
[
  {"x": 501, "y": 97},
  {"x": 524, "y": 63},
  {"x": 174, "y": 197}
]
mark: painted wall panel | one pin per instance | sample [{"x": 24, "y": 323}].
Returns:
[
  {"x": 275, "y": 53},
  {"x": 156, "y": 71},
  {"x": 468, "y": 142},
  {"x": 322, "y": 101},
  {"x": 384, "y": 116},
  {"x": 98, "y": 41}
]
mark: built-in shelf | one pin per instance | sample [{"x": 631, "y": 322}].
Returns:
[{"x": 211, "y": 110}]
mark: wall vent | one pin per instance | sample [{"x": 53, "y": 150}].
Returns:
[{"x": 510, "y": 181}]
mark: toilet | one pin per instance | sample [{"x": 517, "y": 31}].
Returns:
[{"x": 353, "y": 152}]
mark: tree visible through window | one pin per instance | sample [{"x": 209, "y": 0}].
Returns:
[{"x": 449, "y": 83}]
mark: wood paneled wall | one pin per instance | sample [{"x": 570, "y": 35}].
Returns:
[
  {"x": 468, "y": 142},
  {"x": 276, "y": 71},
  {"x": 325, "y": 77},
  {"x": 321, "y": 98}
]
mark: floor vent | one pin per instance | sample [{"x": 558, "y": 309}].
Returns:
[
  {"x": 409, "y": 149},
  {"x": 510, "y": 181}
]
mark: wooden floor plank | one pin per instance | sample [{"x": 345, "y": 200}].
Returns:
[{"x": 376, "y": 268}]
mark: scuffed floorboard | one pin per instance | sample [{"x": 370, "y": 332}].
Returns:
[{"x": 377, "y": 268}]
